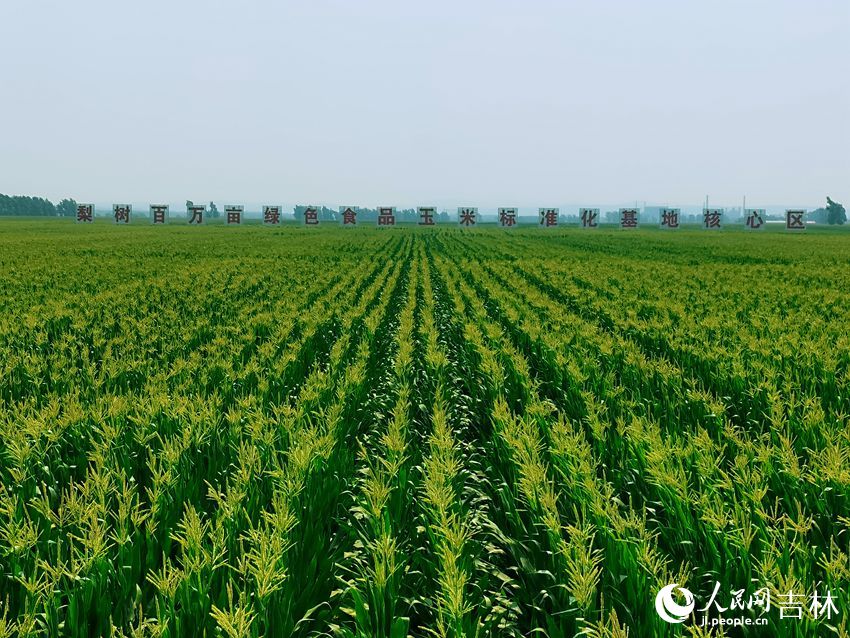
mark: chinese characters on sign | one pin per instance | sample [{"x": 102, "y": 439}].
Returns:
[
  {"x": 426, "y": 215},
  {"x": 589, "y": 217},
  {"x": 754, "y": 218},
  {"x": 507, "y": 217},
  {"x": 628, "y": 218},
  {"x": 348, "y": 216},
  {"x": 794, "y": 220},
  {"x": 85, "y": 213},
  {"x": 311, "y": 216},
  {"x": 467, "y": 216},
  {"x": 196, "y": 213},
  {"x": 711, "y": 218},
  {"x": 669, "y": 218},
  {"x": 159, "y": 213},
  {"x": 121, "y": 213},
  {"x": 271, "y": 215},
  {"x": 548, "y": 217},
  {"x": 386, "y": 216},
  {"x": 233, "y": 215}
]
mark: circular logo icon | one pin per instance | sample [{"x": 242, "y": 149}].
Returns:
[{"x": 668, "y": 609}]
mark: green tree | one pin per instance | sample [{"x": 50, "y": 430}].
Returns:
[
  {"x": 835, "y": 213},
  {"x": 66, "y": 208},
  {"x": 20, "y": 205}
]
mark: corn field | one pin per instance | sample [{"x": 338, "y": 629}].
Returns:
[{"x": 418, "y": 432}]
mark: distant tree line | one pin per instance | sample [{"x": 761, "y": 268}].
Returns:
[
  {"x": 21, "y": 205},
  {"x": 832, "y": 214}
]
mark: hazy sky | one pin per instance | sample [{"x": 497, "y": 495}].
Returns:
[{"x": 400, "y": 103}]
